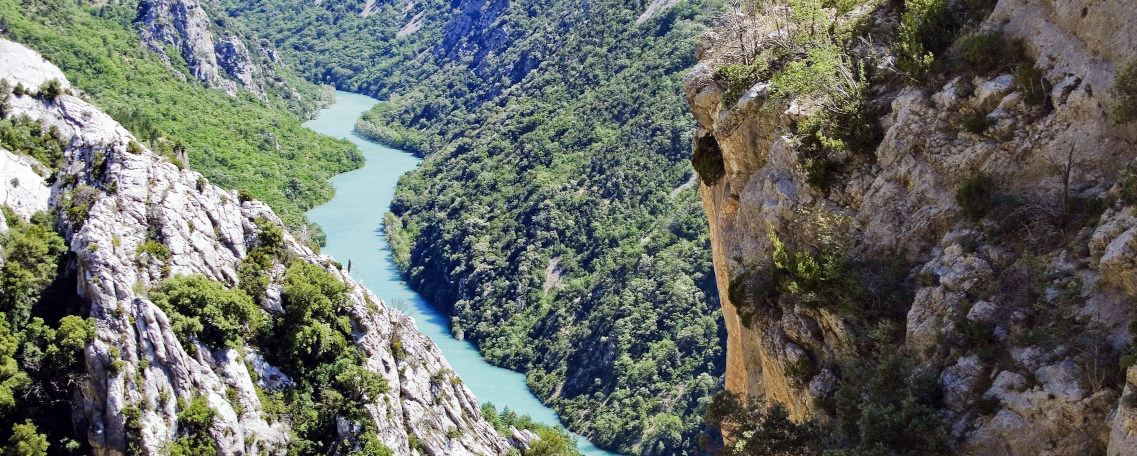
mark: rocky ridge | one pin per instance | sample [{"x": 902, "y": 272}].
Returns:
[
  {"x": 214, "y": 55},
  {"x": 1053, "y": 390},
  {"x": 132, "y": 196}
]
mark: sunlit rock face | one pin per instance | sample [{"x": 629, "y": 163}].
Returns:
[
  {"x": 136, "y": 361},
  {"x": 900, "y": 204}
]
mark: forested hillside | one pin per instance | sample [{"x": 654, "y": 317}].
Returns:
[
  {"x": 235, "y": 141},
  {"x": 554, "y": 216}
]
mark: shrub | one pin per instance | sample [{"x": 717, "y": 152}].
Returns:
[
  {"x": 1125, "y": 92},
  {"x": 927, "y": 27},
  {"x": 194, "y": 422},
  {"x": 271, "y": 236},
  {"x": 78, "y": 205},
  {"x": 31, "y": 252},
  {"x": 753, "y": 293},
  {"x": 25, "y": 136},
  {"x": 134, "y": 148},
  {"x": 154, "y": 250},
  {"x": 51, "y": 89},
  {"x": 847, "y": 126},
  {"x": 26, "y": 441},
  {"x": 975, "y": 197},
  {"x": 205, "y": 309},
  {"x": 5, "y": 95},
  {"x": 738, "y": 78},
  {"x": 361, "y": 384},
  {"x": 759, "y": 428},
  {"x": 977, "y": 122},
  {"x": 986, "y": 51},
  {"x": 1031, "y": 83},
  {"x": 245, "y": 195},
  {"x": 1128, "y": 181},
  {"x": 885, "y": 404},
  {"x": 826, "y": 279},
  {"x": 707, "y": 160},
  {"x": 313, "y": 331}
]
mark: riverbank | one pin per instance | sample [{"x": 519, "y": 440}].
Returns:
[{"x": 352, "y": 222}]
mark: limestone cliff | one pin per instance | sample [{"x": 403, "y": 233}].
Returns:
[
  {"x": 1050, "y": 289},
  {"x": 132, "y": 196},
  {"x": 183, "y": 31}
]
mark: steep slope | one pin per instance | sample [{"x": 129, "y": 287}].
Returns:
[
  {"x": 979, "y": 244},
  {"x": 137, "y": 225},
  {"x": 235, "y": 141},
  {"x": 554, "y": 217},
  {"x": 187, "y": 39}
]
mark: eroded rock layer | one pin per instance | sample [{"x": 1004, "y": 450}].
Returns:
[{"x": 1050, "y": 385}]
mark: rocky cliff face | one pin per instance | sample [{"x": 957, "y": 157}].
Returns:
[
  {"x": 132, "y": 196},
  {"x": 213, "y": 54},
  {"x": 1048, "y": 290}
]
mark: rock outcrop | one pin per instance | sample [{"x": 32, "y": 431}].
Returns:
[
  {"x": 137, "y": 363},
  {"x": 1053, "y": 292},
  {"x": 221, "y": 62}
]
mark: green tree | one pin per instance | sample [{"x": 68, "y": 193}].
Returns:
[
  {"x": 202, "y": 308},
  {"x": 31, "y": 254},
  {"x": 761, "y": 429},
  {"x": 26, "y": 441},
  {"x": 12, "y": 379},
  {"x": 194, "y": 421}
]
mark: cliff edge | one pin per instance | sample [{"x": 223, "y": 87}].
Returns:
[{"x": 951, "y": 195}]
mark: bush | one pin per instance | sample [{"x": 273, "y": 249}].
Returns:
[
  {"x": 976, "y": 197},
  {"x": 313, "y": 331},
  {"x": 26, "y": 441},
  {"x": 194, "y": 422},
  {"x": 738, "y": 78},
  {"x": 977, "y": 122},
  {"x": 753, "y": 293},
  {"x": 32, "y": 251},
  {"x": 22, "y": 135},
  {"x": 1128, "y": 182},
  {"x": 1125, "y": 92},
  {"x": 134, "y": 148},
  {"x": 707, "y": 160},
  {"x": 987, "y": 51},
  {"x": 51, "y": 89},
  {"x": 271, "y": 236},
  {"x": 758, "y": 428},
  {"x": 1031, "y": 83},
  {"x": 821, "y": 173},
  {"x": 554, "y": 440},
  {"x": 884, "y": 404},
  {"x": 245, "y": 195},
  {"x": 205, "y": 309},
  {"x": 154, "y": 250},
  {"x": 927, "y": 28}
]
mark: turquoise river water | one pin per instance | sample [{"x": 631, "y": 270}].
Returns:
[{"x": 353, "y": 224}]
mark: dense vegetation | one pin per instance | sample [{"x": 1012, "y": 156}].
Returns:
[
  {"x": 553, "y": 440},
  {"x": 41, "y": 340},
  {"x": 236, "y": 142},
  {"x": 311, "y": 342},
  {"x": 554, "y": 216}
]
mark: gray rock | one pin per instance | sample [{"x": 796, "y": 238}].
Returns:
[{"x": 151, "y": 367}]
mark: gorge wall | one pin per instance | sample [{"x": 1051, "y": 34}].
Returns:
[
  {"x": 132, "y": 219},
  {"x": 1019, "y": 309}
]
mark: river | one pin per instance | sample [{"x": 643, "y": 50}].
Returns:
[{"x": 353, "y": 224}]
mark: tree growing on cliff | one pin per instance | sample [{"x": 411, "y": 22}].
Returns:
[
  {"x": 1125, "y": 91},
  {"x": 757, "y": 428}
]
